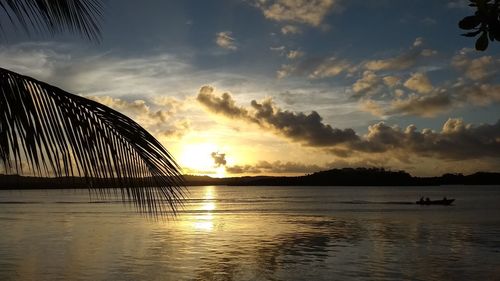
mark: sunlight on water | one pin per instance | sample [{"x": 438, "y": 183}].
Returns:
[{"x": 205, "y": 220}]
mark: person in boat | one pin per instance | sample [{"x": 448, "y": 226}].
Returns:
[
  {"x": 421, "y": 199},
  {"x": 427, "y": 200},
  {"x": 444, "y": 198}
]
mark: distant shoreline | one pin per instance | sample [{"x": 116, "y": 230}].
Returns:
[{"x": 335, "y": 177}]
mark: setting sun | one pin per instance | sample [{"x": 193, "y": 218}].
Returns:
[{"x": 197, "y": 159}]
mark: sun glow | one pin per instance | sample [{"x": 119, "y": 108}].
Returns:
[{"x": 196, "y": 158}]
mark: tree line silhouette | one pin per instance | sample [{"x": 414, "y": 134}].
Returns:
[{"x": 334, "y": 177}]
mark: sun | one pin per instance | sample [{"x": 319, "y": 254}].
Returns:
[{"x": 197, "y": 159}]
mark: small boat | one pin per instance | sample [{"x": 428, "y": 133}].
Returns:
[{"x": 445, "y": 202}]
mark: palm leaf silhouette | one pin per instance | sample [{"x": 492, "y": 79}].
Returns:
[
  {"x": 55, "y": 16},
  {"x": 50, "y": 132}
]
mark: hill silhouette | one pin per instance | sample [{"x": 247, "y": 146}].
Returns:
[{"x": 334, "y": 177}]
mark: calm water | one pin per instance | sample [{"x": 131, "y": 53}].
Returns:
[{"x": 255, "y": 233}]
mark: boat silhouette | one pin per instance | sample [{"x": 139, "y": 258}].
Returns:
[{"x": 444, "y": 201}]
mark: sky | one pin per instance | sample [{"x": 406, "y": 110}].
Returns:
[{"x": 287, "y": 87}]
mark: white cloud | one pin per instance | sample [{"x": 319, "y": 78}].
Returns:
[
  {"x": 294, "y": 54},
  {"x": 311, "y": 12},
  {"x": 225, "y": 40},
  {"x": 419, "y": 82},
  {"x": 331, "y": 67},
  {"x": 158, "y": 121},
  {"x": 290, "y": 29},
  {"x": 368, "y": 84},
  {"x": 285, "y": 71},
  {"x": 391, "y": 81}
]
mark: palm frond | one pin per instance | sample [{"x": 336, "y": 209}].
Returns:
[
  {"x": 47, "y": 131},
  {"x": 55, "y": 16}
]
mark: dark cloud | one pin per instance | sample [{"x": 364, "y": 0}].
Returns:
[
  {"x": 219, "y": 159},
  {"x": 224, "y": 104},
  {"x": 243, "y": 169},
  {"x": 276, "y": 167},
  {"x": 297, "y": 126},
  {"x": 425, "y": 106},
  {"x": 281, "y": 167},
  {"x": 456, "y": 140}
]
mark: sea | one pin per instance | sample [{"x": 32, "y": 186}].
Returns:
[{"x": 255, "y": 233}]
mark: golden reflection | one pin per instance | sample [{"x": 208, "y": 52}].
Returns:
[{"x": 205, "y": 220}]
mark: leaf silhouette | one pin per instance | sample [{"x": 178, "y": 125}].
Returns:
[
  {"x": 55, "y": 16},
  {"x": 482, "y": 42},
  {"x": 486, "y": 20},
  {"x": 469, "y": 22},
  {"x": 50, "y": 132}
]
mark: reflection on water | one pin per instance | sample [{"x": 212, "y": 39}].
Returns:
[
  {"x": 204, "y": 221},
  {"x": 255, "y": 233}
]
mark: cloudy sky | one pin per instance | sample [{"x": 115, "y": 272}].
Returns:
[{"x": 246, "y": 87}]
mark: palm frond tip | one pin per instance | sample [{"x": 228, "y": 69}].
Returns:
[
  {"x": 50, "y": 132},
  {"x": 55, "y": 16}
]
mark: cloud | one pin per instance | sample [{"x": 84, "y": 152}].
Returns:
[
  {"x": 369, "y": 84},
  {"x": 294, "y": 54},
  {"x": 391, "y": 81},
  {"x": 403, "y": 61},
  {"x": 243, "y": 169},
  {"x": 294, "y": 168},
  {"x": 137, "y": 108},
  {"x": 331, "y": 67},
  {"x": 275, "y": 167},
  {"x": 224, "y": 104},
  {"x": 280, "y": 49},
  {"x": 425, "y": 106},
  {"x": 456, "y": 140},
  {"x": 285, "y": 71},
  {"x": 369, "y": 105},
  {"x": 290, "y": 54},
  {"x": 477, "y": 69},
  {"x": 385, "y": 97},
  {"x": 311, "y": 12},
  {"x": 290, "y": 29},
  {"x": 160, "y": 122},
  {"x": 296, "y": 126},
  {"x": 428, "y": 21},
  {"x": 66, "y": 66},
  {"x": 434, "y": 102},
  {"x": 176, "y": 129},
  {"x": 479, "y": 94},
  {"x": 219, "y": 159},
  {"x": 428, "y": 52},
  {"x": 458, "y": 4},
  {"x": 419, "y": 82},
  {"x": 225, "y": 40}
]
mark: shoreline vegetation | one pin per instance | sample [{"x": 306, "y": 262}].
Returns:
[{"x": 334, "y": 177}]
